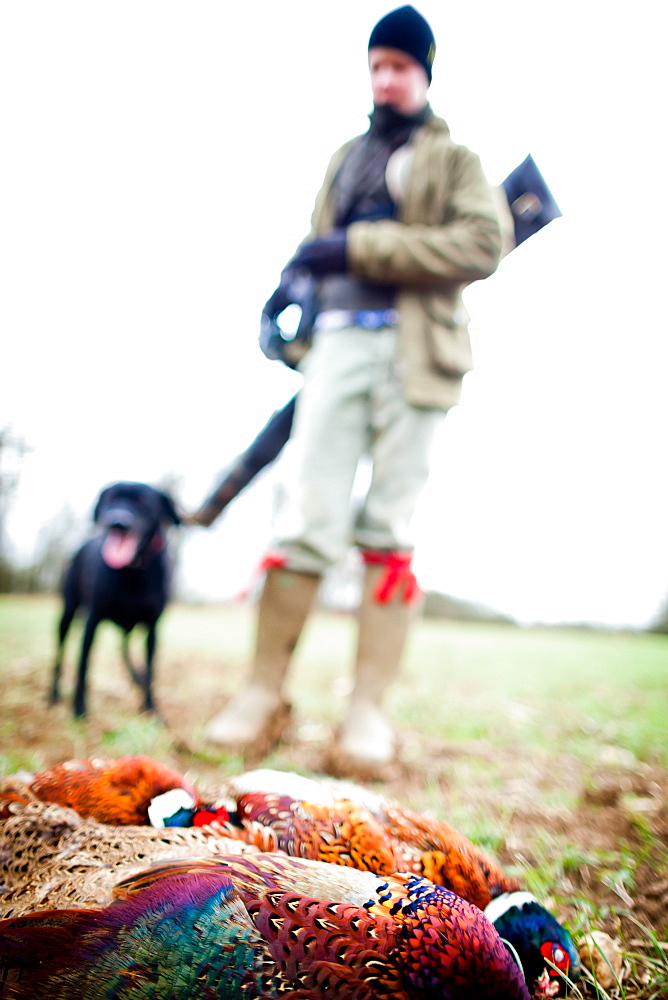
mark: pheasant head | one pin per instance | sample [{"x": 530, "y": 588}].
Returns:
[{"x": 534, "y": 932}]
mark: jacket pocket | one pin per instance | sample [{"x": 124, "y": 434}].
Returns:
[{"x": 447, "y": 334}]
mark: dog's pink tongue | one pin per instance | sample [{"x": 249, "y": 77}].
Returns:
[{"x": 119, "y": 549}]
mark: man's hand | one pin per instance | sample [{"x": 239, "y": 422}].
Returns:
[
  {"x": 283, "y": 296},
  {"x": 295, "y": 289},
  {"x": 271, "y": 338}
]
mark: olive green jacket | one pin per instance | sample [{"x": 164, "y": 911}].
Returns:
[{"x": 446, "y": 235}]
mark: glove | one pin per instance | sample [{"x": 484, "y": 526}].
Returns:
[
  {"x": 282, "y": 297},
  {"x": 324, "y": 255},
  {"x": 271, "y": 338},
  {"x": 274, "y": 343}
]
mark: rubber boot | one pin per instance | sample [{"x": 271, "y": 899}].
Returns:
[
  {"x": 366, "y": 744},
  {"x": 254, "y": 720}
]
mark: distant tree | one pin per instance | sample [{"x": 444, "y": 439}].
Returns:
[
  {"x": 56, "y": 542},
  {"x": 660, "y": 623},
  {"x": 13, "y": 450},
  {"x": 438, "y": 605}
]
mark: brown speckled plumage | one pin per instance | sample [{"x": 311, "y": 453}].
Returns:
[{"x": 51, "y": 857}]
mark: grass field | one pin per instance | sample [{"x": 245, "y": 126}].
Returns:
[{"x": 548, "y": 747}]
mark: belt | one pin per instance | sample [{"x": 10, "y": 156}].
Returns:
[{"x": 369, "y": 319}]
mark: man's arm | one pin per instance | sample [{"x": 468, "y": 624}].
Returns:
[{"x": 465, "y": 248}]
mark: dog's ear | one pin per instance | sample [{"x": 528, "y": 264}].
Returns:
[
  {"x": 169, "y": 511},
  {"x": 102, "y": 501}
]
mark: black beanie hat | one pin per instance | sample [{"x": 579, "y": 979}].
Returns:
[{"x": 406, "y": 30}]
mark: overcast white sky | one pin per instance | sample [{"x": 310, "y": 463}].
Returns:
[{"x": 159, "y": 165}]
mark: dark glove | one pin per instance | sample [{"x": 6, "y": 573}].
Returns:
[
  {"x": 294, "y": 289},
  {"x": 324, "y": 255},
  {"x": 283, "y": 296},
  {"x": 271, "y": 339}
]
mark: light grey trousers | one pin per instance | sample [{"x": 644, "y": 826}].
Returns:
[{"x": 352, "y": 404}]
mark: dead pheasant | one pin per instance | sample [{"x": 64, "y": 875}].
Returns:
[
  {"x": 263, "y": 925},
  {"x": 325, "y": 821},
  {"x": 340, "y": 822}
]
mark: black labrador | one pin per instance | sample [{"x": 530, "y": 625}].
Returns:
[{"x": 122, "y": 575}]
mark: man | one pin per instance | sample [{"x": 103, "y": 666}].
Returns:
[{"x": 404, "y": 221}]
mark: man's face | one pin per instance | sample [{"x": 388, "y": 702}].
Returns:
[{"x": 398, "y": 80}]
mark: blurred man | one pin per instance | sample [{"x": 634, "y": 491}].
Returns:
[{"x": 404, "y": 221}]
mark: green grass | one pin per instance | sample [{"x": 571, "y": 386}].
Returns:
[
  {"x": 545, "y": 683},
  {"x": 548, "y": 697},
  {"x": 533, "y": 687},
  {"x": 539, "y": 695}
]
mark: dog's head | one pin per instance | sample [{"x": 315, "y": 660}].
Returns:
[{"x": 133, "y": 517}]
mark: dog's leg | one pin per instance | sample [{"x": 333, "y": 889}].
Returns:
[
  {"x": 80, "y": 692},
  {"x": 149, "y": 704},
  {"x": 63, "y": 629},
  {"x": 138, "y": 677},
  {"x": 72, "y": 599}
]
